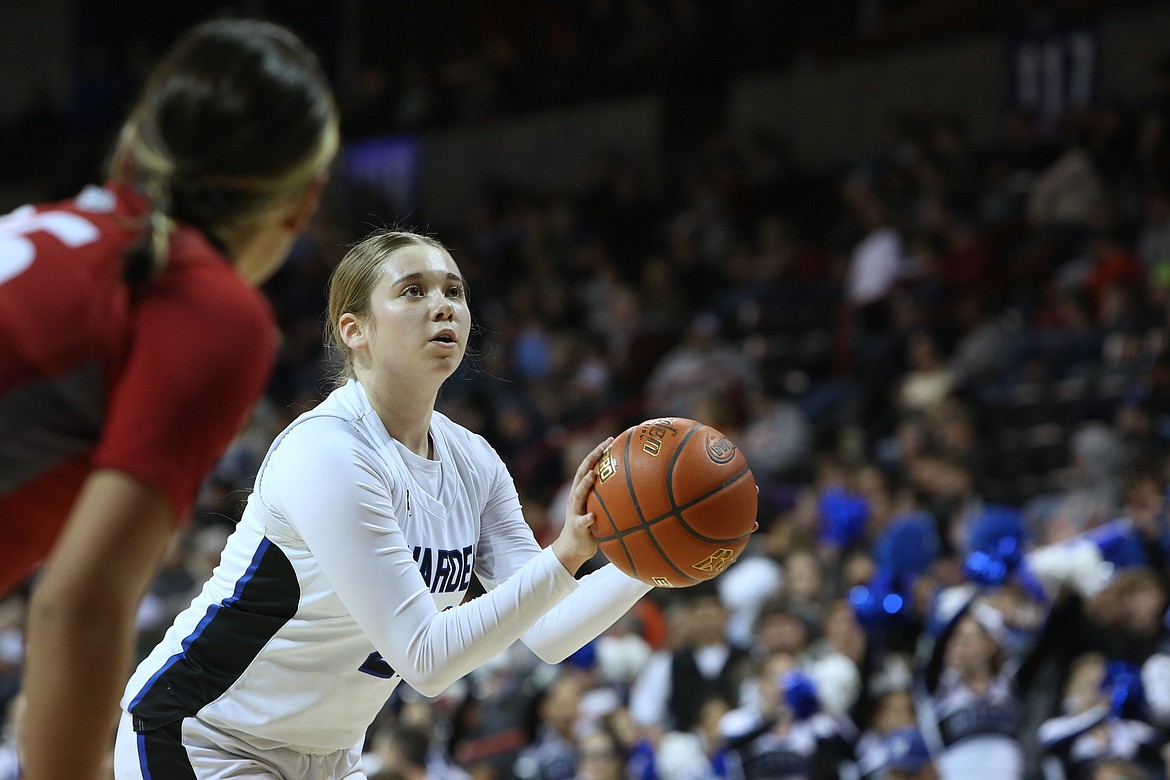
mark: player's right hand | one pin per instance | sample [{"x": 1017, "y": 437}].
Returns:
[{"x": 576, "y": 543}]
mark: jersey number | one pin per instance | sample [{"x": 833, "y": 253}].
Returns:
[
  {"x": 375, "y": 665},
  {"x": 17, "y": 252}
]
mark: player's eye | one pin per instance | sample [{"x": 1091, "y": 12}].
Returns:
[
  {"x": 412, "y": 290},
  {"x": 455, "y": 291}
]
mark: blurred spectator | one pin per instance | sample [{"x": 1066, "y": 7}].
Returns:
[
  {"x": 704, "y": 372},
  {"x": 744, "y": 590},
  {"x": 782, "y": 731},
  {"x": 876, "y": 263},
  {"x": 554, "y": 753},
  {"x": 1067, "y": 193},
  {"x": 9, "y": 758},
  {"x": 12, "y": 617},
  {"x": 676, "y": 683},
  {"x": 1153, "y": 240},
  {"x": 971, "y": 700},
  {"x": 928, "y": 380},
  {"x": 1117, "y": 769},
  {"x": 776, "y": 437},
  {"x": 406, "y": 751},
  {"x": 893, "y": 714},
  {"x": 601, "y": 757},
  {"x": 1093, "y": 493},
  {"x": 1095, "y": 726}
]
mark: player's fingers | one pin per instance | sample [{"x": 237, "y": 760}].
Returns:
[
  {"x": 581, "y": 490},
  {"x": 592, "y": 458},
  {"x": 585, "y": 524}
]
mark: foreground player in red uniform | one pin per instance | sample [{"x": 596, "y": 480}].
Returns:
[{"x": 133, "y": 343}]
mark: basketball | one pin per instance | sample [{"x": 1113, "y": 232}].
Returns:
[{"x": 675, "y": 502}]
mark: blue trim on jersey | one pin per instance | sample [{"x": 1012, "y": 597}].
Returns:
[
  {"x": 261, "y": 549},
  {"x": 224, "y": 643}
]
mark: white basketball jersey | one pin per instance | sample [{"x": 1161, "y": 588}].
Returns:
[{"x": 341, "y": 579}]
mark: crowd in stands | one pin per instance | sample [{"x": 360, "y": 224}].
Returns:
[{"x": 949, "y": 368}]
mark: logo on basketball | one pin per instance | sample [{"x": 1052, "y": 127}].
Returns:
[
  {"x": 607, "y": 466},
  {"x": 662, "y": 582},
  {"x": 716, "y": 561},
  {"x": 659, "y": 428},
  {"x": 720, "y": 449}
]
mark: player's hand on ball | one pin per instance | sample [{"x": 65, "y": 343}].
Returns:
[{"x": 576, "y": 544}]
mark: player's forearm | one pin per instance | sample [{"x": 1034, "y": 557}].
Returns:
[
  {"x": 443, "y": 647},
  {"x": 600, "y": 599},
  {"x": 78, "y": 658},
  {"x": 81, "y": 623}
]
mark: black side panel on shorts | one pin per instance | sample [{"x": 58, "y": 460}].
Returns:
[
  {"x": 162, "y": 755},
  {"x": 224, "y": 644}
]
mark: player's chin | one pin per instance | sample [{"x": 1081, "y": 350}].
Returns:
[{"x": 448, "y": 364}]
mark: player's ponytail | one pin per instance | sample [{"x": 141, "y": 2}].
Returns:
[
  {"x": 233, "y": 125},
  {"x": 153, "y": 172}
]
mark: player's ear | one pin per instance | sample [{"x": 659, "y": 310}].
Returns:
[{"x": 352, "y": 330}]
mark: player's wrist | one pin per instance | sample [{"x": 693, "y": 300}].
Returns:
[{"x": 570, "y": 560}]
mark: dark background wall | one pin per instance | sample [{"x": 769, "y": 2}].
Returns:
[{"x": 823, "y": 79}]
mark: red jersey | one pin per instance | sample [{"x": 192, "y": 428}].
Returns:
[{"x": 153, "y": 381}]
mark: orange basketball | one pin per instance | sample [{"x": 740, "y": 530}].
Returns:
[{"x": 675, "y": 502}]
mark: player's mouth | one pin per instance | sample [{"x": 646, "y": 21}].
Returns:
[{"x": 445, "y": 338}]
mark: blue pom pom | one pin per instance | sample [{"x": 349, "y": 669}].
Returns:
[
  {"x": 800, "y": 693},
  {"x": 585, "y": 658},
  {"x": 640, "y": 764},
  {"x": 863, "y": 601},
  {"x": 1123, "y": 681},
  {"x": 843, "y": 516},
  {"x": 994, "y": 524},
  {"x": 908, "y": 546},
  {"x": 996, "y": 543},
  {"x": 1120, "y": 544},
  {"x": 880, "y": 603}
]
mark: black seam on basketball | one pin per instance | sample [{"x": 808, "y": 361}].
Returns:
[
  {"x": 682, "y": 508},
  {"x": 630, "y": 485},
  {"x": 616, "y": 535},
  {"x": 670, "y": 467},
  {"x": 662, "y": 554},
  {"x": 682, "y": 521},
  {"x": 642, "y": 524}
]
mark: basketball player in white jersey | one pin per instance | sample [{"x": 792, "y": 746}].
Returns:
[{"x": 346, "y": 574}]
